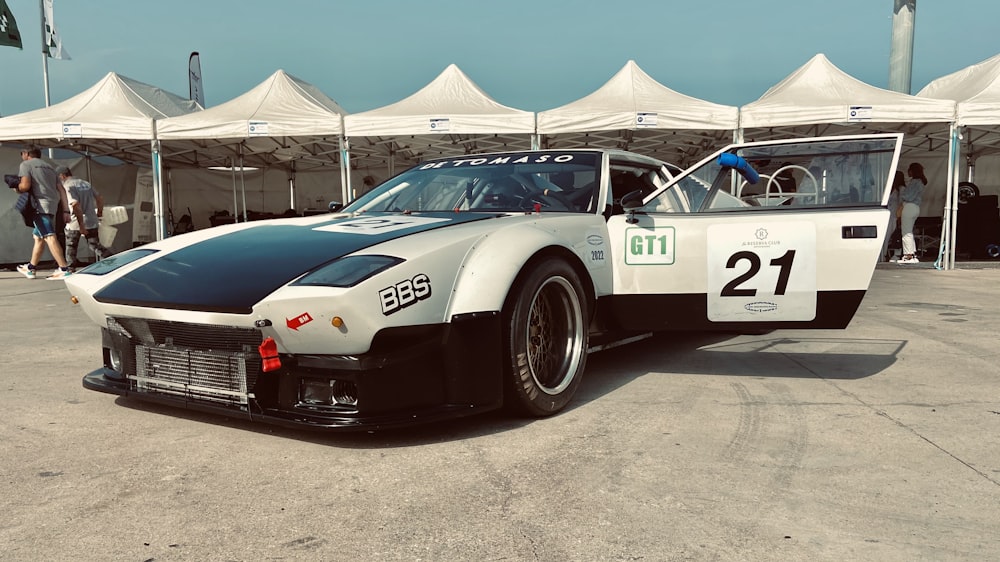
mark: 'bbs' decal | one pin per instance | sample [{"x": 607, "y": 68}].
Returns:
[{"x": 404, "y": 293}]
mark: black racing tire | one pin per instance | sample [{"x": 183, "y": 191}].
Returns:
[
  {"x": 967, "y": 190},
  {"x": 545, "y": 336}
]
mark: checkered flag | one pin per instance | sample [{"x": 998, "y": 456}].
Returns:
[{"x": 53, "y": 46}]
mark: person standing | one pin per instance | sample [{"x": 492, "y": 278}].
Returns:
[
  {"x": 40, "y": 178},
  {"x": 898, "y": 182},
  {"x": 909, "y": 196},
  {"x": 86, "y": 208}
]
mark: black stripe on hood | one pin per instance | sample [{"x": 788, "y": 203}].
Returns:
[{"x": 232, "y": 272}]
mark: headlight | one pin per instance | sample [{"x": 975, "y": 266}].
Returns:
[{"x": 349, "y": 271}]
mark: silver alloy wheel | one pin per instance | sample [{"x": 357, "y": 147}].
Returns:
[{"x": 555, "y": 335}]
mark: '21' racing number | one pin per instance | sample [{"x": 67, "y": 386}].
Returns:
[
  {"x": 761, "y": 273},
  {"x": 732, "y": 289}
]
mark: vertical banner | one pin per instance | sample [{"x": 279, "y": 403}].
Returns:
[
  {"x": 52, "y": 43},
  {"x": 9, "y": 35},
  {"x": 194, "y": 79},
  {"x": 144, "y": 221}
]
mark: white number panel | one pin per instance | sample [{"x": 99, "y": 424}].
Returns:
[{"x": 762, "y": 272}]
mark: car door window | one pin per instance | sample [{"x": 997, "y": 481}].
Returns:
[{"x": 839, "y": 173}]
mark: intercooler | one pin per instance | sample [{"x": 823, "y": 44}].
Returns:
[{"x": 195, "y": 361}]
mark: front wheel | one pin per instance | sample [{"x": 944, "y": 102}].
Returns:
[{"x": 546, "y": 338}]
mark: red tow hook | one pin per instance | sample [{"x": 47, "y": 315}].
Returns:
[{"x": 269, "y": 354}]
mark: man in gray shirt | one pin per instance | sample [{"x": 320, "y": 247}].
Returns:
[{"x": 38, "y": 177}]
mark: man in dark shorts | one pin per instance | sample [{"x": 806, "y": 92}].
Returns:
[{"x": 39, "y": 177}]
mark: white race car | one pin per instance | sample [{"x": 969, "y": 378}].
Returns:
[{"x": 467, "y": 283}]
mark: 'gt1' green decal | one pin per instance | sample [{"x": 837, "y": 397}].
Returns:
[{"x": 650, "y": 246}]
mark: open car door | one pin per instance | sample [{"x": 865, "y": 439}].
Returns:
[{"x": 778, "y": 234}]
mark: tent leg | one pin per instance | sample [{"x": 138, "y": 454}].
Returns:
[
  {"x": 345, "y": 170},
  {"x": 291, "y": 187},
  {"x": 161, "y": 228}
]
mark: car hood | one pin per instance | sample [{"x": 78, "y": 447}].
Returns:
[{"x": 232, "y": 272}]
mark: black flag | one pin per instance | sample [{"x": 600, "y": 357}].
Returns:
[{"x": 9, "y": 35}]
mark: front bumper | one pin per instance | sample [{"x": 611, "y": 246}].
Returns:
[{"x": 410, "y": 375}]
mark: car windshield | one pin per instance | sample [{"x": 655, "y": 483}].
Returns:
[{"x": 552, "y": 181}]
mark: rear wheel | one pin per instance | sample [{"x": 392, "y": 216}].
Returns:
[{"x": 546, "y": 336}]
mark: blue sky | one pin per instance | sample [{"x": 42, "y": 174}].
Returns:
[{"x": 531, "y": 55}]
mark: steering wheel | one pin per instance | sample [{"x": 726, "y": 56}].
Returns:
[
  {"x": 773, "y": 180},
  {"x": 545, "y": 200}
]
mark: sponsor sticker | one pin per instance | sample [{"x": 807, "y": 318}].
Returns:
[
  {"x": 650, "y": 246},
  {"x": 298, "y": 321},
  {"x": 405, "y": 293},
  {"x": 378, "y": 225},
  {"x": 596, "y": 250},
  {"x": 498, "y": 160}
]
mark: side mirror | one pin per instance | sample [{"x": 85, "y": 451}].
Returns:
[
  {"x": 632, "y": 200},
  {"x": 335, "y": 206}
]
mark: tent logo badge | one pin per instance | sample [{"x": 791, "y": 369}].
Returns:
[
  {"x": 257, "y": 128},
  {"x": 72, "y": 130},
  {"x": 860, "y": 113},
  {"x": 440, "y": 125},
  {"x": 645, "y": 119}
]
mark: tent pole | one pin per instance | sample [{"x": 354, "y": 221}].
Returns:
[
  {"x": 291, "y": 187},
  {"x": 954, "y": 154},
  {"x": 161, "y": 229},
  {"x": 243, "y": 184},
  {"x": 345, "y": 169},
  {"x": 236, "y": 206},
  {"x": 946, "y": 253}
]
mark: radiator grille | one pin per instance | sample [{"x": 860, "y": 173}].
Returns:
[{"x": 197, "y": 361}]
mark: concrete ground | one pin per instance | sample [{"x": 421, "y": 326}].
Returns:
[{"x": 879, "y": 442}]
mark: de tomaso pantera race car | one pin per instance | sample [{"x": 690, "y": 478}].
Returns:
[{"x": 467, "y": 283}]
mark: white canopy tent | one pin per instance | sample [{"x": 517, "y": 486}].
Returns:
[
  {"x": 820, "y": 99},
  {"x": 976, "y": 89},
  {"x": 107, "y": 118},
  {"x": 632, "y": 111},
  {"x": 115, "y": 117},
  {"x": 450, "y": 115},
  {"x": 819, "y": 95},
  {"x": 282, "y": 122}
]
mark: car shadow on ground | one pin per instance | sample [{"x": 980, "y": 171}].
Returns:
[{"x": 666, "y": 354}]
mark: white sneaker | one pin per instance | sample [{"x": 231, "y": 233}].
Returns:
[
  {"x": 28, "y": 272},
  {"x": 911, "y": 259},
  {"x": 59, "y": 275}
]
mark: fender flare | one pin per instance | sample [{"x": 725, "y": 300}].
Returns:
[{"x": 493, "y": 265}]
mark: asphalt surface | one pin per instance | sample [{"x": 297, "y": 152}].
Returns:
[{"x": 878, "y": 442}]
